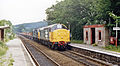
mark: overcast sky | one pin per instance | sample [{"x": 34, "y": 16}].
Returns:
[{"x": 24, "y": 11}]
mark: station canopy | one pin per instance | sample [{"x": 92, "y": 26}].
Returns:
[{"x": 4, "y": 27}]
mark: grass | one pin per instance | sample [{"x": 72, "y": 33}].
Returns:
[
  {"x": 3, "y": 48},
  {"x": 77, "y": 41},
  {"x": 113, "y": 48}
]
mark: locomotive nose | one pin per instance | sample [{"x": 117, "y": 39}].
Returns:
[
  {"x": 63, "y": 35},
  {"x": 60, "y": 35}
]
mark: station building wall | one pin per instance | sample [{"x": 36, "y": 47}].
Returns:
[
  {"x": 87, "y": 41},
  {"x": 101, "y": 35}
]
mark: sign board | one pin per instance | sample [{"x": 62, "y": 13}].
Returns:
[{"x": 116, "y": 28}]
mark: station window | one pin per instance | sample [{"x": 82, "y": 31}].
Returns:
[
  {"x": 99, "y": 34},
  {"x": 86, "y": 35}
]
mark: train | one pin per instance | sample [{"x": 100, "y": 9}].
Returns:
[{"x": 56, "y": 36}]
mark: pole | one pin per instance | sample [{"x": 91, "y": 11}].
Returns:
[
  {"x": 116, "y": 35},
  {"x": 69, "y": 26}
]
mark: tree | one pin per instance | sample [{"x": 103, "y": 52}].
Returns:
[
  {"x": 8, "y": 32},
  {"x": 79, "y": 13}
]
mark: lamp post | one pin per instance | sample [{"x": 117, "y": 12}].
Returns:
[
  {"x": 117, "y": 20},
  {"x": 68, "y": 25},
  {"x": 69, "y": 29}
]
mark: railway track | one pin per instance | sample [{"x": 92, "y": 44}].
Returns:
[
  {"x": 88, "y": 61},
  {"x": 59, "y": 59},
  {"x": 85, "y": 60},
  {"x": 39, "y": 57},
  {"x": 109, "y": 59},
  {"x": 33, "y": 58}
]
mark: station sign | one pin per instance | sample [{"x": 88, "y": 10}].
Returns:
[{"x": 116, "y": 28}]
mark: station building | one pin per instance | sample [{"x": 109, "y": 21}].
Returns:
[
  {"x": 96, "y": 34},
  {"x": 2, "y": 31}
]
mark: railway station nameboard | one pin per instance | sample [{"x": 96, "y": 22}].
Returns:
[{"x": 116, "y": 28}]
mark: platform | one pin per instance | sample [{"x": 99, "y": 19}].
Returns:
[
  {"x": 18, "y": 53},
  {"x": 95, "y": 49}
]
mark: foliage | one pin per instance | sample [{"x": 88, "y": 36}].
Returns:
[
  {"x": 79, "y": 13},
  {"x": 8, "y": 32},
  {"x": 113, "y": 48},
  {"x": 116, "y": 18},
  {"x": 95, "y": 44},
  {"x": 77, "y": 41},
  {"x": 115, "y": 7},
  {"x": 3, "y": 48}
]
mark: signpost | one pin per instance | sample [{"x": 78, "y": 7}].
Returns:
[{"x": 116, "y": 28}]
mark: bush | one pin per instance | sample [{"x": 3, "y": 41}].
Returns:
[
  {"x": 95, "y": 44},
  {"x": 113, "y": 48},
  {"x": 12, "y": 36},
  {"x": 3, "y": 48}
]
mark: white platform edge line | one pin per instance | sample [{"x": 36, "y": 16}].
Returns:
[
  {"x": 97, "y": 51},
  {"x": 28, "y": 54}
]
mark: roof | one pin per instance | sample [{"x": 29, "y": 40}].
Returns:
[
  {"x": 47, "y": 26},
  {"x": 50, "y": 26},
  {"x": 93, "y": 26},
  {"x": 4, "y": 27}
]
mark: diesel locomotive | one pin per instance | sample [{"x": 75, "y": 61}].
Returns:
[{"x": 56, "y": 36}]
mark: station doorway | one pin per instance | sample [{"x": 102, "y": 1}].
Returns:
[{"x": 92, "y": 35}]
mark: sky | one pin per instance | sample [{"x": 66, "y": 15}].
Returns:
[{"x": 24, "y": 11}]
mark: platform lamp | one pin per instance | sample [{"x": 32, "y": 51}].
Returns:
[
  {"x": 69, "y": 29},
  {"x": 68, "y": 25}
]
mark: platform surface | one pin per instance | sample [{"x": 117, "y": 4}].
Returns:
[
  {"x": 18, "y": 53},
  {"x": 95, "y": 49}
]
